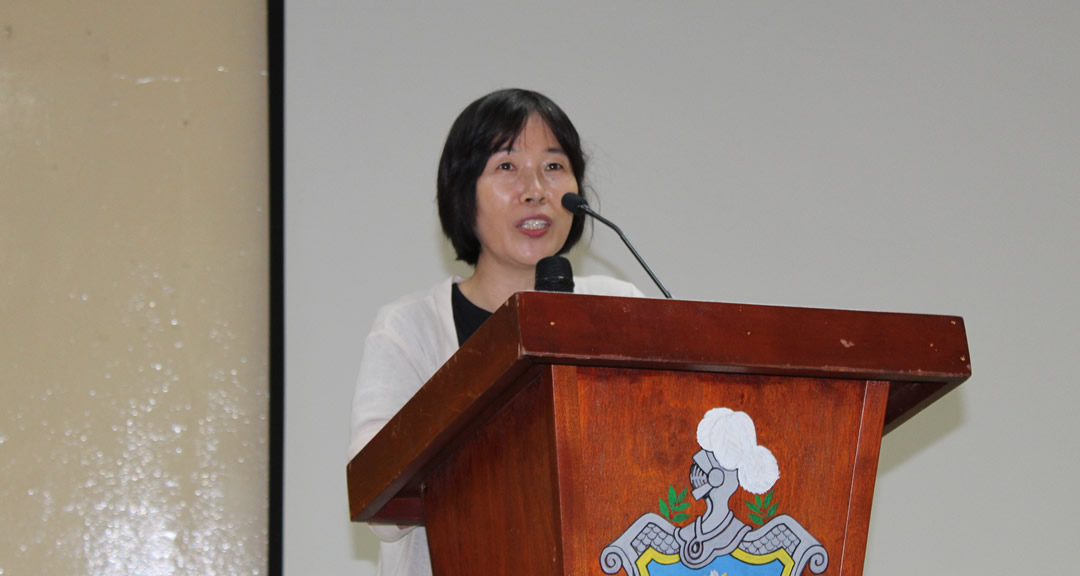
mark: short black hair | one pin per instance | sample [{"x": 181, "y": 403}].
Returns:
[{"x": 483, "y": 128}]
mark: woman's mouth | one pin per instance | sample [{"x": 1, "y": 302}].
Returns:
[{"x": 535, "y": 226}]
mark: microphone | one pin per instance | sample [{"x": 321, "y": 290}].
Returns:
[
  {"x": 576, "y": 204},
  {"x": 554, "y": 274}
]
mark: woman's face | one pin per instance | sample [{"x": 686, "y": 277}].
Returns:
[{"x": 519, "y": 214}]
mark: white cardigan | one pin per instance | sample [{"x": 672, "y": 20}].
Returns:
[{"x": 410, "y": 339}]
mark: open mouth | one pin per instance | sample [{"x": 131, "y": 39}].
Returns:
[{"x": 534, "y": 224}]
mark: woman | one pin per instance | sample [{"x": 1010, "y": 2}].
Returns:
[{"x": 509, "y": 158}]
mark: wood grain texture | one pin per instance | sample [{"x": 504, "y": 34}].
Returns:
[
  {"x": 922, "y": 356},
  {"x": 743, "y": 339},
  {"x": 492, "y": 506},
  {"x": 569, "y": 449},
  {"x": 863, "y": 478}
]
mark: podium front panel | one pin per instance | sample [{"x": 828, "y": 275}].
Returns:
[{"x": 591, "y": 470}]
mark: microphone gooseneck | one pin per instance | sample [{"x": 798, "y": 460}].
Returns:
[
  {"x": 554, "y": 274},
  {"x": 576, "y": 204}
]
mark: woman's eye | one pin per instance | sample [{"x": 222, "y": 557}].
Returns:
[
  {"x": 554, "y": 166},
  {"x": 505, "y": 166}
]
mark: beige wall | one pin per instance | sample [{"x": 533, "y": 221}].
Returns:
[{"x": 133, "y": 287}]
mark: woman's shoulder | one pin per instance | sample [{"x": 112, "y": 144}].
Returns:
[
  {"x": 422, "y": 307},
  {"x": 605, "y": 286}
]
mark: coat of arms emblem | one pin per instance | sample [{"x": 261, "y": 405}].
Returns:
[{"x": 717, "y": 543}]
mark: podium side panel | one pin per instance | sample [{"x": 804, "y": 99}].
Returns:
[{"x": 491, "y": 508}]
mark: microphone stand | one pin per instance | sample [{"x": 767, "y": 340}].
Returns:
[{"x": 586, "y": 209}]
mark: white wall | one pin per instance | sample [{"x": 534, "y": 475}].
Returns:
[{"x": 917, "y": 158}]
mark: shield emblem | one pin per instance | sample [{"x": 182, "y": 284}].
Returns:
[{"x": 738, "y": 563}]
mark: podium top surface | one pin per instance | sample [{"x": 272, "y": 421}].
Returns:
[{"x": 922, "y": 356}]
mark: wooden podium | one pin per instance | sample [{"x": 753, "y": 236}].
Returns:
[{"x": 563, "y": 437}]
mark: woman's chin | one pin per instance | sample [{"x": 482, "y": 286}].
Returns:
[
  {"x": 536, "y": 260},
  {"x": 523, "y": 259}
]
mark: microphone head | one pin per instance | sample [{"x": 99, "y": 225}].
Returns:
[
  {"x": 554, "y": 274},
  {"x": 574, "y": 203}
]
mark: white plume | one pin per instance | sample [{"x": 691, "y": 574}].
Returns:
[
  {"x": 732, "y": 439},
  {"x": 759, "y": 471}
]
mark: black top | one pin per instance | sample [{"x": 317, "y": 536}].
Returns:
[{"x": 467, "y": 316}]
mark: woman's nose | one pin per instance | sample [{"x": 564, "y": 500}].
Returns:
[{"x": 534, "y": 189}]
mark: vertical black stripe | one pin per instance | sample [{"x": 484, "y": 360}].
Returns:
[{"x": 275, "y": 23}]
